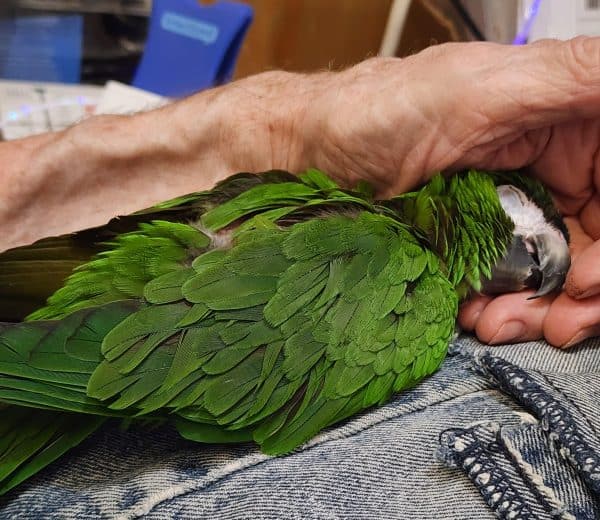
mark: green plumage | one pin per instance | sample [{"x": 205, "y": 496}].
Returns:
[{"x": 267, "y": 309}]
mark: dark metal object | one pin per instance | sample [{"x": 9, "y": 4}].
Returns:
[{"x": 116, "y": 7}]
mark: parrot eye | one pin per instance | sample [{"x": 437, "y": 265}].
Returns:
[{"x": 532, "y": 250}]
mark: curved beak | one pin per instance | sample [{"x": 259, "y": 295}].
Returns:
[
  {"x": 554, "y": 262},
  {"x": 539, "y": 262}
]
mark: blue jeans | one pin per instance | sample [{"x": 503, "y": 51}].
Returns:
[{"x": 510, "y": 432}]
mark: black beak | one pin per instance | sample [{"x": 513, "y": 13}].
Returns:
[
  {"x": 554, "y": 262},
  {"x": 540, "y": 262}
]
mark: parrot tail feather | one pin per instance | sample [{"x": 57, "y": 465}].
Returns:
[
  {"x": 30, "y": 440},
  {"x": 47, "y": 364}
]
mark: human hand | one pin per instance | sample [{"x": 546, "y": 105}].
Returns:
[{"x": 396, "y": 122}]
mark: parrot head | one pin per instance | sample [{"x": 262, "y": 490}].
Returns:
[
  {"x": 496, "y": 232},
  {"x": 538, "y": 255}
]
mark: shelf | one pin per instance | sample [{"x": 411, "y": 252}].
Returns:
[{"x": 122, "y": 7}]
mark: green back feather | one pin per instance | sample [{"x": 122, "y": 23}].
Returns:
[
  {"x": 130, "y": 260},
  {"x": 31, "y": 274}
]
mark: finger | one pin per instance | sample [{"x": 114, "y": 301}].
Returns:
[
  {"x": 579, "y": 238},
  {"x": 512, "y": 318},
  {"x": 531, "y": 86},
  {"x": 519, "y": 89},
  {"x": 558, "y": 80},
  {"x": 589, "y": 216},
  {"x": 570, "y": 321},
  {"x": 564, "y": 165},
  {"x": 471, "y": 310},
  {"x": 583, "y": 279}
]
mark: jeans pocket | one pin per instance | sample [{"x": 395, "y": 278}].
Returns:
[{"x": 548, "y": 468}]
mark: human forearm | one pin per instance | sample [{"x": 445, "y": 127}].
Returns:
[
  {"x": 390, "y": 122},
  {"x": 108, "y": 165}
]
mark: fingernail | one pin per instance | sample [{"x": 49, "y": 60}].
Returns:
[
  {"x": 509, "y": 331},
  {"x": 592, "y": 291},
  {"x": 580, "y": 336}
]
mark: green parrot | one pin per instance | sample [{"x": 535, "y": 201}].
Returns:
[{"x": 264, "y": 310}]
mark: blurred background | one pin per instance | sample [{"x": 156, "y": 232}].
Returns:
[{"x": 62, "y": 60}]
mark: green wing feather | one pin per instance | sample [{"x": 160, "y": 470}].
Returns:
[
  {"x": 121, "y": 268},
  {"x": 334, "y": 324},
  {"x": 299, "y": 328}
]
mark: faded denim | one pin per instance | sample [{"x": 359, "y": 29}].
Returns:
[{"x": 509, "y": 432}]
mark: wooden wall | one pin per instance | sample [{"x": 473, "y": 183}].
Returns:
[{"x": 305, "y": 35}]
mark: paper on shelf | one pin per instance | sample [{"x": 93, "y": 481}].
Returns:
[{"x": 28, "y": 108}]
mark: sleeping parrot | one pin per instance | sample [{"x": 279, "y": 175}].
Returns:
[{"x": 264, "y": 310}]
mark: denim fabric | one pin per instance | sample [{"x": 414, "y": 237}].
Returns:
[{"x": 509, "y": 432}]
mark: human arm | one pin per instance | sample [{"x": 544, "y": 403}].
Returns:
[
  {"x": 56, "y": 183},
  {"x": 389, "y": 121}
]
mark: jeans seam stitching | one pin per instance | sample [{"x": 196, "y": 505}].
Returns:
[{"x": 553, "y": 420}]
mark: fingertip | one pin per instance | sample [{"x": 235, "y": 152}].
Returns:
[
  {"x": 491, "y": 319},
  {"x": 512, "y": 318},
  {"x": 569, "y": 321},
  {"x": 577, "y": 292},
  {"x": 510, "y": 332},
  {"x": 465, "y": 322},
  {"x": 583, "y": 278},
  {"x": 556, "y": 327},
  {"x": 581, "y": 336},
  {"x": 486, "y": 330}
]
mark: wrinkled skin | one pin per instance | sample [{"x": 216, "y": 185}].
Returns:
[{"x": 392, "y": 122}]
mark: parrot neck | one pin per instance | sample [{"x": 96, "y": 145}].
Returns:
[{"x": 463, "y": 221}]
